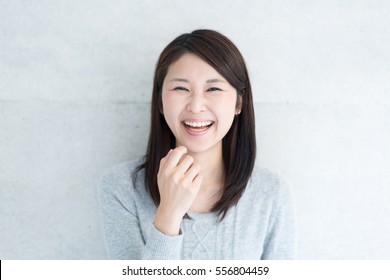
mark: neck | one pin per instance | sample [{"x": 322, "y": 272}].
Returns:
[{"x": 212, "y": 165}]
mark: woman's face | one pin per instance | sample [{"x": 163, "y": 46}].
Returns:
[{"x": 199, "y": 105}]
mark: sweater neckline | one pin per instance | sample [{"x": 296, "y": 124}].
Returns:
[{"x": 208, "y": 217}]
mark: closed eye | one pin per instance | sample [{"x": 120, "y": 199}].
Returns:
[
  {"x": 180, "y": 88},
  {"x": 214, "y": 89}
]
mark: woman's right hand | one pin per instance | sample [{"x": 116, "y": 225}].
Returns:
[{"x": 178, "y": 181}]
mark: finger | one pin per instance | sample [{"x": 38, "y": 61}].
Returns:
[
  {"x": 185, "y": 164},
  {"x": 192, "y": 172},
  {"x": 164, "y": 159},
  {"x": 175, "y": 156},
  {"x": 167, "y": 155},
  {"x": 198, "y": 180}
]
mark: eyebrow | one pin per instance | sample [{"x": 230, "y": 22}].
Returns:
[
  {"x": 179, "y": 80},
  {"x": 215, "y": 81},
  {"x": 187, "y": 81}
]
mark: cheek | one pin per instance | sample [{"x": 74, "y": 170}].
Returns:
[
  {"x": 171, "y": 109},
  {"x": 170, "y": 101},
  {"x": 227, "y": 106},
  {"x": 166, "y": 104},
  {"x": 226, "y": 111}
]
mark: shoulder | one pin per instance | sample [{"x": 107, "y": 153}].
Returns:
[
  {"x": 268, "y": 184},
  {"x": 267, "y": 178},
  {"x": 117, "y": 188},
  {"x": 118, "y": 178},
  {"x": 122, "y": 171}
]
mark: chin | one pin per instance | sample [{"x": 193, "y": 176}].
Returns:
[{"x": 196, "y": 148}]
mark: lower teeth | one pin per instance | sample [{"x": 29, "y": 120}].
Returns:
[
  {"x": 198, "y": 128},
  {"x": 201, "y": 128}
]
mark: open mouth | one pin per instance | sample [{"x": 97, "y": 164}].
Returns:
[{"x": 198, "y": 126}]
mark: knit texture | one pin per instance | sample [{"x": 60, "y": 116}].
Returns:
[{"x": 260, "y": 226}]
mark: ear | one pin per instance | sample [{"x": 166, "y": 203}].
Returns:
[{"x": 238, "y": 104}]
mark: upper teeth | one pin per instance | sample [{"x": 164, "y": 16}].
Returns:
[{"x": 198, "y": 124}]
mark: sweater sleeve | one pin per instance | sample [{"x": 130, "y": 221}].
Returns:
[
  {"x": 280, "y": 242},
  {"x": 122, "y": 224},
  {"x": 162, "y": 247}
]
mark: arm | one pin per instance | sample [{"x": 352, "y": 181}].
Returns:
[
  {"x": 119, "y": 219},
  {"x": 122, "y": 225}
]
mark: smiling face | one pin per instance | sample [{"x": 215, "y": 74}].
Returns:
[{"x": 199, "y": 105}]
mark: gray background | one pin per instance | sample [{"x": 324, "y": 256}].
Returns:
[{"x": 75, "y": 85}]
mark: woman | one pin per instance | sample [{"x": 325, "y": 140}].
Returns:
[{"x": 197, "y": 193}]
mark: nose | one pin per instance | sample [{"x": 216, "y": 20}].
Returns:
[{"x": 197, "y": 103}]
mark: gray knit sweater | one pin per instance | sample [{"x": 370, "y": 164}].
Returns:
[{"x": 260, "y": 226}]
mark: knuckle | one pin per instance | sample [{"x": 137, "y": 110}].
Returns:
[
  {"x": 186, "y": 181},
  {"x": 176, "y": 178},
  {"x": 176, "y": 152},
  {"x": 173, "y": 152},
  {"x": 189, "y": 158},
  {"x": 163, "y": 161},
  {"x": 196, "y": 166},
  {"x": 179, "y": 150}
]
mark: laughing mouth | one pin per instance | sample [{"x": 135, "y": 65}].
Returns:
[{"x": 198, "y": 126}]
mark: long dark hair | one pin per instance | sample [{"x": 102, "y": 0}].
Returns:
[{"x": 238, "y": 145}]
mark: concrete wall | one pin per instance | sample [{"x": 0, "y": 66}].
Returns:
[{"x": 75, "y": 84}]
